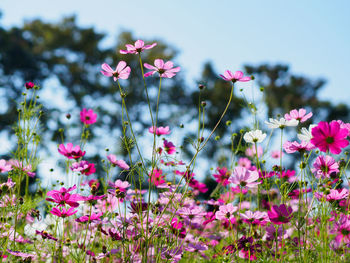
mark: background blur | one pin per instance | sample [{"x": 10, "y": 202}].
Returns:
[{"x": 297, "y": 50}]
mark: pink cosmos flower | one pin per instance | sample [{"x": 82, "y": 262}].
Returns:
[
  {"x": 280, "y": 214},
  {"x": 329, "y": 136},
  {"x": 110, "y": 204},
  {"x": 9, "y": 184},
  {"x": 120, "y": 163},
  {"x": 299, "y": 115},
  {"x": 344, "y": 125},
  {"x": 23, "y": 255},
  {"x": 4, "y": 166},
  {"x": 276, "y": 154},
  {"x": 337, "y": 194},
  {"x": 251, "y": 151},
  {"x": 342, "y": 228},
  {"x": 91, "y": 218},
  {"x": 165, "y": 70},
  {"x": 324, "y": 166},
  {"x": 121, "y": 71},
  {"x": 19, "y": 165},
  {"x": 137, "y": 48},
  {"x": 63, "y": 212},
  {"x": 83, "y": 167},
  {"x": 120, "y": 185},
  {"x": 238, "y": 76},
  {"x": 156, "y": 177},
  {"x": 255, "y": 218},
  {"x": 292, "y": 147},
  {"x": 169, "y": 147},
  {"x": 222, "y": 176},
  {"x": 244, "y": 178},
  {"x": 226, "y": 212},
  {"x": 245, "y": 162},
  {"x": 71, "y": 152},
  {"x": 88, "y": 116},
  {"x": 160, "y": 130}
]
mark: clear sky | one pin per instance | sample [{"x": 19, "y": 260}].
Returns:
[{"x": 312, "y": 36}]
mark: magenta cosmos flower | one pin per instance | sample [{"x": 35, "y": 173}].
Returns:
[
  {"x": 137, "y": 48},
  {"x": 324, "y": 166},
  {"x": 280, "y": 214},
  {"x": 222, "y": 176},
  {"x": 159, "y": 130},
  {"x": 169, "y": 147},
  {"x": 64, "y": 212},
  {"x": 88, "y": 116},
  {"x": 329, "y": 136},
  {"x": 238, "y": 76},
  {"x": 299, "y": 115},
  {"x": 165, "y": 70},
  {"x": 71, "y": 152},
  {"x": 120, "y": 72},
  {"x": 244, "y": 178},
  {"x": 156, "y": 177},
  {"x": 29, "y": 85},
  {"x": 120, "y": 163}
]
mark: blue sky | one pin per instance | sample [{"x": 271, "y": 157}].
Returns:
[{"x": 311, "y": 36}]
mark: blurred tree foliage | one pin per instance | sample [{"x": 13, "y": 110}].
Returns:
[{"x": 68, "y": 57}]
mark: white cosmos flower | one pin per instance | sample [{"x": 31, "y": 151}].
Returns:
[
  {"x": 305, "y": 134},
  {"x": 281, "y": 123},
  {"x": 254, "y": 136}
]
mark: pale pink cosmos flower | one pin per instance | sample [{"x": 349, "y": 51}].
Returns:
[
  {"x": 226, "y": 212},
  {"x": 299, "y": 115},
  {"x": 324, "y": 166},
  {"x": 244, "y": 178},
  {"x": 250, "y": 151},
  {"x": 165, "y": 70},
  {"x": 121, "y": 71},
  {"x": 255, "y": 218},
  {"x": 344, "y": 125},
  {"x": 238, "y": 76},
  {"x": 120, "y": 163},
  {"x": 4, "y": 166},
  {"x": 276, "y": 154},
  {"x": 88, "y": 116},
  {"x": 337, "y": 194},
  {"x": 110, "y": 204},
  {"x": 245, "y": 162},
  {"x": 120, "y": 185},
  {"x": 159, "y": 130},
  {"x": 292, "y": 147},
  {"x": 137, "y": 48},
  {"x": 27, "y": 169}
]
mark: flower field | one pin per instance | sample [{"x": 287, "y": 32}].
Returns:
[{"x": 263, "y": 209}]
